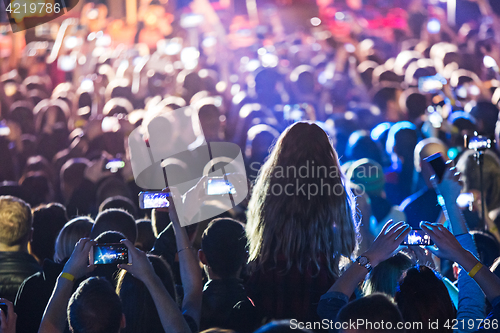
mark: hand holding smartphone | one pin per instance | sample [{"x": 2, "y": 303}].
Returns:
[{"x": 109, "y": 253}]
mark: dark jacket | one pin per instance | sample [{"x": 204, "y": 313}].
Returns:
[
  {"x": 226, "y": 305},
  {"x": 14, "y": 268},
  {"x": 33, "y": 296}
]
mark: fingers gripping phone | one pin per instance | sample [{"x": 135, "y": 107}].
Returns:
[
  {"x": 438, "y": 164},
  {"x": 109, "y": 253},
  {"x": 417, "y": 237}
]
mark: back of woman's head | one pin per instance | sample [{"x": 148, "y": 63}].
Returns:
[
  {"x": 385, "y": 276},
  {"x": 70, "y": 234},
  {"x": 423, "y": 297},
  {"x": 300, "y": 208},
  {"x": 138, "y": 306}
]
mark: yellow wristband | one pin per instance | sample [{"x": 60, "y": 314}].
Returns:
[
  {"x": 475, "y": 269},
  {"x": 68, "y": 276}
]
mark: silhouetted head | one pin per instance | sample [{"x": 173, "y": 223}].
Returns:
[
  {"x": 361, "y": 145},
  {"x": 422, "y": 297},
  {"x": 119, "y": 202},
  {"x": 223, "y": 247},
  {"x": 373, "y": 309},
  {"x": 115, "y": 220},
  {"x": 95, "y": 308},
  {"x": 48, "y": 220},
  {"x": 385, "y": 276},
  {"x": 138, "y": 306}
]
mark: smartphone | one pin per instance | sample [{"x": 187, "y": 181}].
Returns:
[
  {"x": 477, "y": 142},
  {"x": 464, "y": 200},
  {"x": 66, "y": 63},
  {"x": 417, "y": 237},
  {"x": 433, "y": 26},
  {"x": 191, "y": 20},
  {"x": 9, "y": 89},
  {"x": 153, "y": 199},
  {"x": 114, "y": 165},
  {"x": 110, "y": 253},
  {"x": 219, "y": 186},
  {"x": 461, "y": 92},
  {"x": 4, "y": 129},
  {"x": 438, "y": 164},
  {"x": 431, "y": 84}
]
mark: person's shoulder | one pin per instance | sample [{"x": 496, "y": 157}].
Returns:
[
  {"x": 31, "y": 284},
  {"x": 20, "y": 259}
]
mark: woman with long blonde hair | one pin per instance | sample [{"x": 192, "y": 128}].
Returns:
[{"x": 301, "y": 221}]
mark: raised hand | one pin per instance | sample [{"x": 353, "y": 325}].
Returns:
[
  {"x": 8, "y": 320},
  {"x": 382, "y": 248},
  {"x": 387, "y": 241},
  {"x": 139, "y": 265},
  {"x": 446, "y": 246},
  {"x": 450, "y": 186},
  {"x": 78, "y": 264}
]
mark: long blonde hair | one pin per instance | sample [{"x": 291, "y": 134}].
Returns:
[{"x": 285, "y": 218}]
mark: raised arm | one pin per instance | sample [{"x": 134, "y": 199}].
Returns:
[
  {"x": 54, "y": 318},
  {"x": 382, "y": 248},
  {"x": 470, "y": 296},
  {"x": 449, "y": 189},
  {"x": 189, "y": 266},
  {"x": 168, "y": 312},
  {"x": 449, "y": 248}
]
